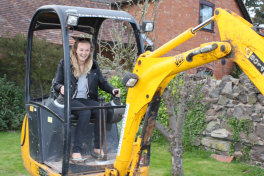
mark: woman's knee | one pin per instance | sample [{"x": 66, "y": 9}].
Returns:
[{"x": 84, "y": 116}]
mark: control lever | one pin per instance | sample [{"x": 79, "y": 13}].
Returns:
[{"x": 116, "y": 101}]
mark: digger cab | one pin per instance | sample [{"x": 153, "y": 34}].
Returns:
[{"x": 48, "y": 128}]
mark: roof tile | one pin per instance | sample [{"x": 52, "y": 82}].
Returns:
[{"x": 15, "y": 15}]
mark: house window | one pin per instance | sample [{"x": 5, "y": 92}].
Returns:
[{"x": 206, "y": 12}]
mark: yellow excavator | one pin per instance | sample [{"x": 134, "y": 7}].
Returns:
[{"x": 47, "y": 128}]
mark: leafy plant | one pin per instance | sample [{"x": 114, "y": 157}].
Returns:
[
  {"x": 239, "y": 126},
  {"x": 236, "y": 71},
  {"x": 163, "y": 119},
  {"x": 44, "y": 61},
  {"x": 194, "y": 116},
  {"x": 14, "y": 54},
  {"x": 194, "y": 122},
  {"x": 12, "y": 108}
]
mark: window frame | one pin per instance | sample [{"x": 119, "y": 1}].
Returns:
[{"x": 207, "y": 3}]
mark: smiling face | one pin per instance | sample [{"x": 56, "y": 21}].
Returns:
[{"x": 83, "y": 51}]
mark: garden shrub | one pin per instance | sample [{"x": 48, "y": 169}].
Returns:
[
  {"x": 45, "y": 58},
  {"x": 236, "y": 71},
  {"x": 163, "y": 119},
  {"x": 238, "y": 126},
  {"x": 44, "y": 62},
  {"x": 12, "y": 105},
  {"x": 194, "y": 116},
  {"x": 194, "y": 122}
]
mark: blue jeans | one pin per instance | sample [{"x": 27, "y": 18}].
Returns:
[{"x": 84, "y": 117}]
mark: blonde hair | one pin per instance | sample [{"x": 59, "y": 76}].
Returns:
[{"x": 74, "y": 59}]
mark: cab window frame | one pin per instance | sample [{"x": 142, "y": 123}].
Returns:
[{"x": 210, "y": 5}]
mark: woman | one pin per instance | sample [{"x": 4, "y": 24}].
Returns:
[{"x": 85, "y": 79}]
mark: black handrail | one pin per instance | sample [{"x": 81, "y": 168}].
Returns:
[{"x": 96, "y": 107}]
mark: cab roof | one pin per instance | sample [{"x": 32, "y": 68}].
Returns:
[{"x": 53, "y": 16}]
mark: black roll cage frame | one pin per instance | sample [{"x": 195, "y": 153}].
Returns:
[{"x": 55, "y": 17}]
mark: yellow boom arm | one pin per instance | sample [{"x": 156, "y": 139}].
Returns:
[{"x": 239, "y": 43}]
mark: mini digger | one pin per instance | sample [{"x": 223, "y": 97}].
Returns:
[{"x": 47, "y": 127}]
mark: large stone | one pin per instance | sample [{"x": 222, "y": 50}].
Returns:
[
  {"x": 224, "y": 81},
  {"x": 230, "y": 112},
  {"x": 260, "y": 99},
  {"x": 260, "y": 142},
  {"x": 252, "y": 98},
  {"x": 236, "y": 90},
  {"x": 210, "y": 118},
  {"x": 249, "y": 109},
  {"x": 243, "y": 98},
  {"x": 231, "y": 103},
  {"x": 256, "y": 90},
  {"x": 213, "y": 83},
  {"x": 238, "y": 111},
  {"x": 257, "y": 153},
  {"x": 243, "y": 136},
  {"x": 216, "y": 144},
  {"x": 251, "y": 87},
  {"x": 215, "y": 93},
  {"x": 210, "y": 112},
  {"x": 223, "y": 100},
  {"x": 259, "y": 108},
  {"x": 227, "y": 90},
  {"x": 256, "y": 117},
  {"x": 260, "y": 131},
  {"x": 222, "y": 84},
  {"x": 238, "y": 146},
  {"x": 221, "y": 113},
  {"x": 206, "y": 90},
  {"x": 225, "y": 125},
  {"x": 238, "y": 154},
  {"x": 218, "y": 108},
  {"x": 248, "y": 87},
  {"x": 235, "y": 95},
  {"x": 212, "y": 125},
  {"x": 244, "y": 79},
  {"x": 217, "y": 83},
  {"x": 234, "y": 80},
  {"x": 211, "y": 100},
  {"x": 253, "y": 139},
  {"x": 242, "y": 89},
  {"x": 221, "y": 133},
  {"x": 197, "y": 142}
]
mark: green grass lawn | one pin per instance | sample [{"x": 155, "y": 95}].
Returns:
[
  {"x": 10, "y": 155},
  {"x": 196, "y": 163}
]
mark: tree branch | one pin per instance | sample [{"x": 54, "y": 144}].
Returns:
[
  {"x": 163, "y": 131},
  {"x": 168, "y": 101}
]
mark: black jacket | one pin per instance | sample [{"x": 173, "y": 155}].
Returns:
[{"x": 95, "y": 80}]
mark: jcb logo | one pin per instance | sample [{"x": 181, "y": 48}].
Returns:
[
  {"x": 255, "y": 60},
  {"x": 179, "y": 60}
]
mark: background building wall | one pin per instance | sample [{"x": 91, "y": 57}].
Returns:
[{"x": 174, "y": 17}]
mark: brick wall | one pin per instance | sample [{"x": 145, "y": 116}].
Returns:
[{"x": 174, "y": 17}]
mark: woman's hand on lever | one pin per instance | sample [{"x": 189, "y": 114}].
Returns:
[
  {"x": 116, "y": 92},
  {"x": 62, "y": 90}
]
